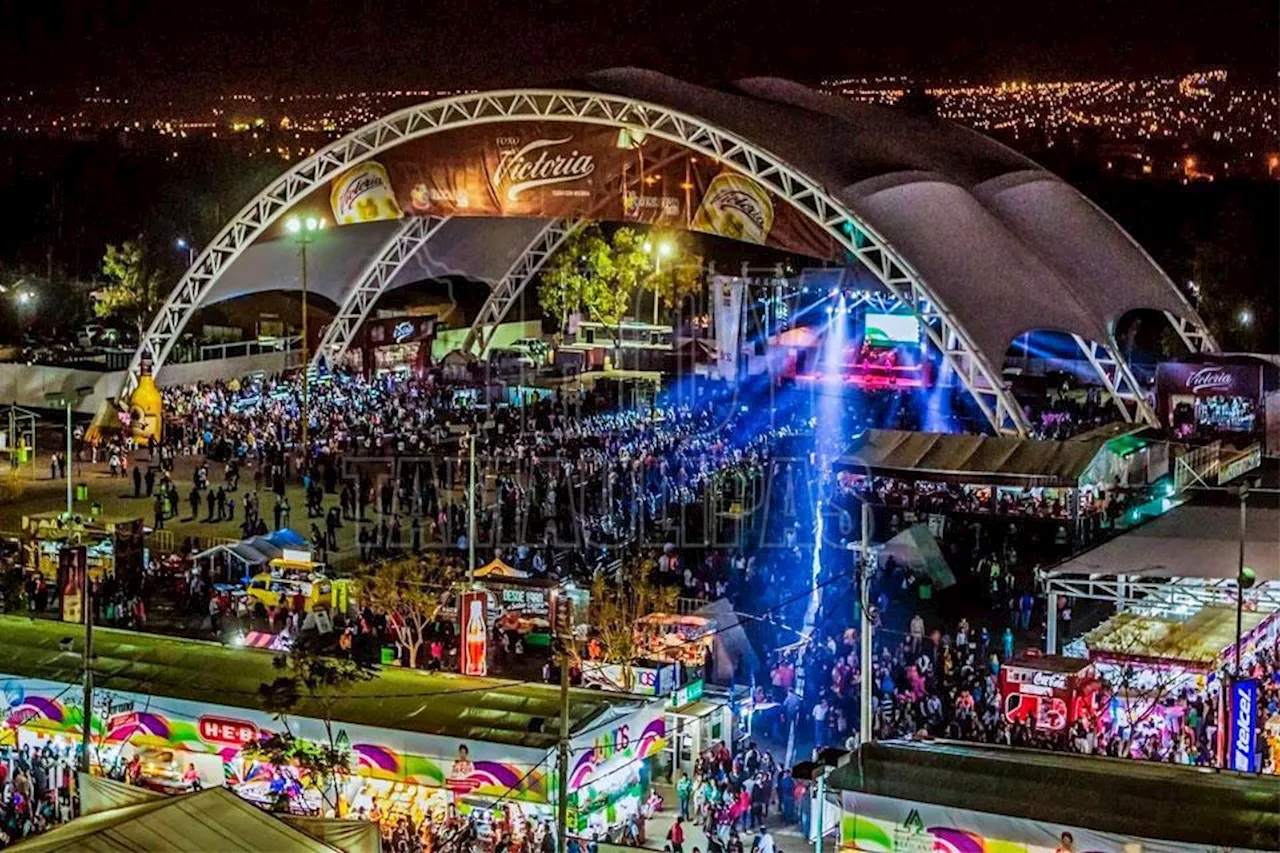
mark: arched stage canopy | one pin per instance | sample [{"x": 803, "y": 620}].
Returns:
[{"x": 979, "y": 241}]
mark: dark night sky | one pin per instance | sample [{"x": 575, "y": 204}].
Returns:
[{"x": 146, "y": 46}]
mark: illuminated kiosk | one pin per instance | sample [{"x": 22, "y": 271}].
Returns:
[
  {"x": 420, "y": 744},
  {"x": 488, "y": 184}
]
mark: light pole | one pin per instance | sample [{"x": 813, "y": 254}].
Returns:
[
  {"x": 1245, "y": 576},
  {"x": 304, "y": 233},
  {"x": 184, "y": 246},
  {"x": 68, "y": 401},
  {"x": 664, "y": 249}
]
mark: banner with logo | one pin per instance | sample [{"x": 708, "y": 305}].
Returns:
[
  {"x": 1209, "y": 380},
  {"x": 563, "y": 169},
  {"x": 466, "y": 767},
  {"x": 1243, "y": 743},
  {"x": 73, "y": 562},
  {"x": 474, "y": 630},
  {"x": 728, "y": 293},
  {"x": 878, "y": 824}
]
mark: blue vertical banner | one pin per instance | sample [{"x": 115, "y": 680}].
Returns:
[{"x": 1244, "y": 725}]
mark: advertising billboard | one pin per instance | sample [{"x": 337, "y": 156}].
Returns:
[
  {"x": 466, "y": 767},
  {"x": 1209, "y": 380},
  {"x": 566, "y": 169},
  {"x": 73, "y": 562},
  {"x": 1242, "y": 744},
  {"x": 474, "y": 630},
  {"x": 875, "y": 824}
]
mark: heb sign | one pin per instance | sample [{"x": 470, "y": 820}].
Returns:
[
  {"x": 1209, "y": 380},
  {"x": 227, "y": 731}
]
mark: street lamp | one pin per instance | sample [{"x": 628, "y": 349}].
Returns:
[
  {"x": 184, "y": 246},
  {"x": 304, "y": 232},
  {"x": 664, "y": 249},
  {"x": 69, "y": 401}
]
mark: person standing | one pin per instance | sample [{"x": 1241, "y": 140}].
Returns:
[
  {"x": 684, "y": 792},
  {"x": 676, "y": 835}
]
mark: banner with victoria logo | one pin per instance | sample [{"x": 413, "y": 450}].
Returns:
[{"x": 567, "y": 170}]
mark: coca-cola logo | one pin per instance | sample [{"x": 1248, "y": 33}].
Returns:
[
  {"x": 536, "y": 164},
  {"x": 1209, "y": 379},
  {"x": 742, "y": 202}
]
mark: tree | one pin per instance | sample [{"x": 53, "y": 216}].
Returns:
[
  {"x": 312, "y": 683},
  {"x": 409, "y": 591},
  {"x": 616, "y": 608},
  {"x": 133, "y": 287},
  {"x": 676, "y": 276},
  {"x": 608, "y": 296},
  {"x": 1140, "y": 690},
  {"x": 582, "y": 258}
]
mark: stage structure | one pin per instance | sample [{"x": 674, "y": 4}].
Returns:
[{"x": 948, "y": 223}]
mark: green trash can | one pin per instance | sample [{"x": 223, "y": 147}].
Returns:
[
  {"x": 389, "y": 656},
  {"x": 82, "y": 491},
  {"x": 95, "y": 510}
]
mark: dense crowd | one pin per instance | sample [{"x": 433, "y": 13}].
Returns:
[{"x": 37, "y": 790}]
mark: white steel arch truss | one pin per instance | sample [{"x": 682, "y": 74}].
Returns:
[
  {"x": 1118, "y": 380},
  {"x": 504, "y": 294},
  {"x": 896, "y": 275},
  {"x": 412, "y": 235}
]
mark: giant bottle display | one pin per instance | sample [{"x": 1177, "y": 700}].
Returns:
[{"x": 145, "y": 405}]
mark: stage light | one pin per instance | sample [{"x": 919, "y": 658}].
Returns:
[{"x": 293, "y": 225}]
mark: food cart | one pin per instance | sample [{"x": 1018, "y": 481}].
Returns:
[{"x": 1051, "y": 692}]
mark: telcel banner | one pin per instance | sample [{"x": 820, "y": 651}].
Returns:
[{"x": 1244, "y": 725}]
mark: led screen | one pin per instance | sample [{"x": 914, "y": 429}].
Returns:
[{"x": 889, "y": 329}]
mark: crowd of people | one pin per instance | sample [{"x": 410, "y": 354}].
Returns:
[{"x": 37, "y": 790}]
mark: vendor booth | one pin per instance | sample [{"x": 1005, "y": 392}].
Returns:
[
  {"x": 396, "y": 344},
  {"x": 113, "y": 547},
  {"x": 1049, "y": 692},
  {"x": 481, "y": 748}
]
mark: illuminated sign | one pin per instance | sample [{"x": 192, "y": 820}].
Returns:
[
  {"x": 402, "y": 331},
  {"x": 226, "y": 730},
  {"x": 686, "y": 695},
  {"x": 475, "y": 633},
  {"x": 1244, "y": 725}
]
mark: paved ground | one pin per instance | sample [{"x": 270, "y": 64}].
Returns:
[
  {"x": 32, "y": 490},
  {"x": 787, "y": 839}
]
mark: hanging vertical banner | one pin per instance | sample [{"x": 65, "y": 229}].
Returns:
[
  {"x": 1244, "y": 725},
  {"x": 474, "y": 631},
  {"x": 73, "y": 562},
  {"x": 728, "y": 295}
]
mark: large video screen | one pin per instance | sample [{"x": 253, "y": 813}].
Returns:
[{"x": 884, "y": 330}]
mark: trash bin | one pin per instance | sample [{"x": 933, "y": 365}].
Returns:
[
  {"x": 389, "y": 656},
  {"x": 95, "y": 510},
  {"x": 82, "y": 491}
]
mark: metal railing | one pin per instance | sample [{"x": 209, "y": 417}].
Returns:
[
  {"x": 1240, "y": 464},
  {"x": 237, "y": 349},
  {"x": 1198, "y": 466}
]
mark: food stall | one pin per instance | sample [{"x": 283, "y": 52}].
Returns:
[
  {"x": 1154, "y": 659},
  {"x": 686, "y": 640},
  {"x": 114, "y": 547},
  {"x": 1051, "y": 692}
]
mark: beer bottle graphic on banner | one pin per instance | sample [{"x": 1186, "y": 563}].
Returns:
[{"x": 475, "y": 640}]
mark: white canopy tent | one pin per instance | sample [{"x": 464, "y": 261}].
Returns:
[{"x": 121, "y": 818}]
